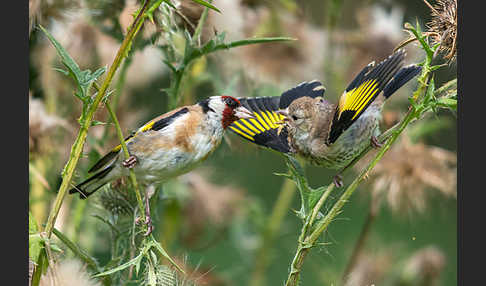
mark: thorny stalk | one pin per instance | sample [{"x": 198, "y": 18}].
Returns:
[
  {"x": 77, "y": 147},
  {"x": 311, "y": 232}
]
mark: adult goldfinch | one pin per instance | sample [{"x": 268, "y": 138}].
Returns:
[
  {"x": 169, "y": 145},
  {"x": 302, "y": 122}
]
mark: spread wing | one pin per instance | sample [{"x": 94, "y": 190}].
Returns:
[
  {"x": 387, "y": 76},
  {"x": 267, "y": 127}
]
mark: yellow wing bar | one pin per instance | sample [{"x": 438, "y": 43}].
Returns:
[{"x": 357, "y": 98}]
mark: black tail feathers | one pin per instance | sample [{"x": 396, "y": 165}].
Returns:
[
  {"x": 402, "y": 77},
  {"x": 92, "y": 184}
]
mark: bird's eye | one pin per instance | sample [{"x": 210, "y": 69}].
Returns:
[
  {"x": 231, "y": 102},
  {"x": 294, "y": 117}
]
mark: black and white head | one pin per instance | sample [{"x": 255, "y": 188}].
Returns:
[{"x": 225, "y": 108}]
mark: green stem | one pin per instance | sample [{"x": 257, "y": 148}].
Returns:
[
  {"x": 133, "y": 178},
  {"x": 308, "y": 241},
  {"x": 77, "y": 147}
]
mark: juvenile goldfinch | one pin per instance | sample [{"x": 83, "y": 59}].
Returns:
[
  {"x": 302, "y": 122},
  {"x": 169, "y": 145}
]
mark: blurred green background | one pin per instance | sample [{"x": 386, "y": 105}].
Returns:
[{"x": 219, "y": 235}]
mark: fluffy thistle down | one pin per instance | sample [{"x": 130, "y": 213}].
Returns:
[
  {"x": 424, "y": 267},
  {"x": 67, "y": 272},
  {"x": 408, "y": 170},
  {"x": 41, "y": 124},
  {"x": 370, "y": 269},
  {"x": 443, "y": 27}
]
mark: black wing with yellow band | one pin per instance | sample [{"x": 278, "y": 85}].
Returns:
[
  {"x": 363, "y": 90},
  {"x": 266, "y": 129},
  {"x": 155, "y": 124}
]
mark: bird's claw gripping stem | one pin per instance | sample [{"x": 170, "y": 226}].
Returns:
[
  {"x": 130, "y": 162},
  {"x": 375, "y": 143},
  {"x": 338, "y": 180}
]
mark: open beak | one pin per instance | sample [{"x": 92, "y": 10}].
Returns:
[{"x": 243, "y": 113}]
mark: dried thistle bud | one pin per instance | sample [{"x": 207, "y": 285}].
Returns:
[
  {"x": 407, "y": 170},
  {"x": 118, "y": 199},
  {"x": 443, "y": 27}
]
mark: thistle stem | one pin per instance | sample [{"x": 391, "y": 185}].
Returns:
[
  {"x": 308, "y": 241},
  {"x": 77, "y": 147},
  {"x": 133, "y": 178}
]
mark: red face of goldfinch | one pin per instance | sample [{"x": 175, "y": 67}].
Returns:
[{"x": 233, "y": 111}]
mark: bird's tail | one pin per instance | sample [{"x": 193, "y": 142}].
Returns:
[
  {"x": 402, "y": 77},
  {"x": 92, "y": 184}
]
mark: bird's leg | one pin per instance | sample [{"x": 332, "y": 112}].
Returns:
[
  {"x": 148, "y": 221},
  {"x": 130, "y": 162},
  {"x": 375, "y": 143},
  {"x": 338, "y": 180}
]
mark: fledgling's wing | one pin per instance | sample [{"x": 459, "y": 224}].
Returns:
[
  {"x": 367, "y": 85},
  {"x": 266, "y": 129},
  {"x": 155, "y": 124}
]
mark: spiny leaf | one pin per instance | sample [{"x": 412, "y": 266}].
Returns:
[
  {"x": 66, "y": 59},
  {"x": 204, "y": 3},
  {"x": 217, "y": 44},
  {"x": 133, "y": 261},
  {"x": 91, "y": 262},
  {"x": 32, "y": 224},
  {"x": 36, "y": 244},
  {"x": 447, "y": 103},
  {"x": 96, "y": 122},
  {"x": 164, "y": 253},
  {"x": 315, "y": 195}
]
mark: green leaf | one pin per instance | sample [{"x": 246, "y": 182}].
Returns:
[
  {"x": 32, "y": 224},
  {"x": 97, "y": 73},
  {"x": 447, "y": 103},
  {"x": 127, "y": 264},
  {"x": 96, "y": 122},
  {"x": 298, "y": 176},
  {"x": 66, "y": 59},
  {"x": 204, "y": 3},
  {"x": 217, "y": 43},
  {"x": 83, "y": 255},
  {"x": 285, "y": 175},
  {"x": 83, "y": 79},
  {"x": 64, "y": 72},
  {"x": 151, "y": 264},
  {"x": 315, "y": 195},
  {"x": 164, "y": 253},
  {"x": 36, "y": 245}
]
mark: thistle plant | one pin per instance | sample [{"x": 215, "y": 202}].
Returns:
[
  {"x": 425, "y": 99},
  {"x": 145, "y": 252}
]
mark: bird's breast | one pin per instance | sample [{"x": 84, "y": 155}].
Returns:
[{"x": 174, "y": 150}]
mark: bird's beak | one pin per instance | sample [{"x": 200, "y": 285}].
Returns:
[
  {"x": 243, "y": 113},
  {"x": 285, "y": 114}
]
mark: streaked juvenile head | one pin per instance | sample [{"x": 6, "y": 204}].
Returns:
[
  {"x": 300, "y": 113},
  {"x": 228, "y": 108}
]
